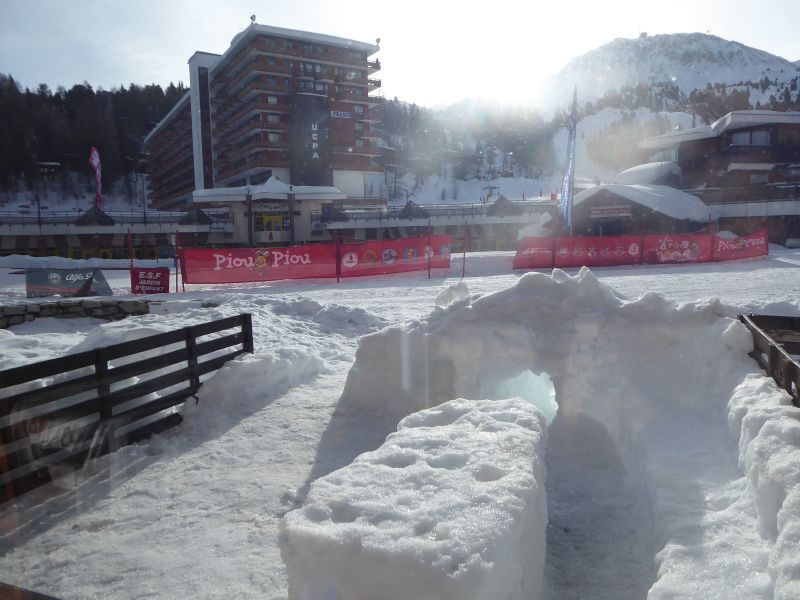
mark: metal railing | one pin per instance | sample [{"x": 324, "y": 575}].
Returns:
[
  {"x": 776, "y": 342},
  {"x": 120, "y": 218},
  {"x": 322, "y": 218},
  {"x": 748, "y": 193}
]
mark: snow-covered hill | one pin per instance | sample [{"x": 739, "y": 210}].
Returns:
[{"x": 687, "y": 60}]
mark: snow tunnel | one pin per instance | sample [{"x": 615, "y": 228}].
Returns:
[{"x": 630, "y": 391}]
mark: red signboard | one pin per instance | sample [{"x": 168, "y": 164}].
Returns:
[
  {"x": 746, "y": 246},
  {"x": 534, "y": 253},
  {"x": 150, "y": 281},
  {"x": 395, "y": 256},
  {"x": 238, "y": 265},
  {"x": 598, "y": 251},
  {"x": 677, "y": 248}
]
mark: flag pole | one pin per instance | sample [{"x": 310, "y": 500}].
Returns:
[
  {"x": 429, "y": 249},
  {"x": 568, "y": 183}
]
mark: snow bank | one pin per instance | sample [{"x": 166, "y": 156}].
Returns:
[
  {"x": 658, "y": 378},
  {"x": 452, "y": 506}
]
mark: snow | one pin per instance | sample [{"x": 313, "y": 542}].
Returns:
[
  {"x": 659, "y": 198},
  {"x": 452, "y": 505},
  {"x": 688, "y": 61},
  {"x": 672, "y": 461},
  {"x": 647, "y": 173}
]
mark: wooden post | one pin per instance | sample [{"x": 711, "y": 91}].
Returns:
[
  {"x": 247, "y": 332},
  {"x": 108, "y": 440},
  {"x": 337, "y": 238},
  {"x": 191, "y": 350}
]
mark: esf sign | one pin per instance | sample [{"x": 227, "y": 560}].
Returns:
[{"x": 338, "y": 114}]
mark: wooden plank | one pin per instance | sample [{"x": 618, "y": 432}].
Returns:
[
  {"x": 219, "y": 343},
  {"x": 214, "y": 326},
  {"x": 65, "y": 414},
  {"x": 45, "y": 368},
  {"x": 158, "y": 340},
  {"x": 50, "y": 393},
  {"x": 151, "y": 408},
  {"x": 215, "y": 363},
  {"x": 12, "y": 592},
  {"x": 144, "y": 388}
]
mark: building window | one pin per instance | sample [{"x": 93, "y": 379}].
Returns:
[
  {"x": 273, "y": 136},
  {"x": 359, "y": 110},
  {"x": 751, "y": 138},
  {"x": 272, "y": 99},
  {"x": 306, "y": 85},
  {"x": 359, "y": 144},
  {"x": 271, "y": 80},
  {"x": 271, "y": 61},
  {"x": 321, "y": 87},
  {"x": 273, "y": 118},
  {"x": 760, "y": 138},
  {"x": 359, "y": 127}
]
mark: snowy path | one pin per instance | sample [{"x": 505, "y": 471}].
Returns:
[{"x": 599, "y": 539}]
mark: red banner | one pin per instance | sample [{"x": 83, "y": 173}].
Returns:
[
  {"x": 395, "y": 256},
  {"x": 149, "y": 281},
  {"x": 534, "y": 253},
  {"x": 598, "y": 251},
  {"x": 677, "y": 248},
  {"x": 666, "y": 248},
  {"x": 746, "y": 246},
  {"x": 240, "y": 265}
]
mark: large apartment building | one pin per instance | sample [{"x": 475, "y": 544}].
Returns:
[{"x": 279, "y": 102}]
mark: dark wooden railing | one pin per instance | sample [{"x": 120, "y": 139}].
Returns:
[
  {"x": 776, "y": 341},
  {"x": 64, "y": 411}
]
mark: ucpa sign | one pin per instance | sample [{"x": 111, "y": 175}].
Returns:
[{"x": 315, "y": 140}]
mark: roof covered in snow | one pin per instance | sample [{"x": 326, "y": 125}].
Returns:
[
  {"x": 738, "y": 119},
  {"x": 659, "y": 198},
  {"x": 272, "y": 189},
  {"x": 648, "y": 172},
  {"x": 293, "y": 34}
]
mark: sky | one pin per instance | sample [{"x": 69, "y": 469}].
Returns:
[{"x": 432, "y": 53}]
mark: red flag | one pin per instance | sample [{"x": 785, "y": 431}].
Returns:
[{"x": 94, "y": 161}]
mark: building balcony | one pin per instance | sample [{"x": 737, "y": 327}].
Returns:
[
  {"x": 373, "y": 84},
  {"x": 738, "y": 153},
  {"x": 373, "y": 66},
  {"x": 265, "y": 159}
]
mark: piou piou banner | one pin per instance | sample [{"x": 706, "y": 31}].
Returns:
[
  {"x": 651, "y": 248},
  {"x": 353, "y": 259}
]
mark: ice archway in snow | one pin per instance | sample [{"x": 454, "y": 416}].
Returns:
[{"x": 671, "y": 386}]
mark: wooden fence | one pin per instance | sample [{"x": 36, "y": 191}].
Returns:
[
  {"x": 776, "y": 343},
  {"x": 56, "y": 414}
]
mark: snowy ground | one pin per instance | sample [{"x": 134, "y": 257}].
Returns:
[{"x": 196, "y": 512}]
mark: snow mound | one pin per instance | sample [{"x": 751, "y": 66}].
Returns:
[
  {"x": 451, "y": 506},
  {"x": 670, "y": 385}
]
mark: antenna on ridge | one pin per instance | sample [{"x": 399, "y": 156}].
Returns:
[{"x": 252, "y": 19}]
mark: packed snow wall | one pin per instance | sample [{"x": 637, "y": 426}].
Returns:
[
  {"x": 451, "y": 506},
  {"x": 673, "y": 387}
]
